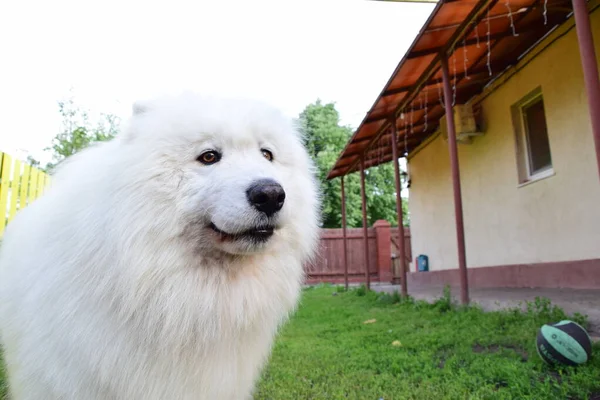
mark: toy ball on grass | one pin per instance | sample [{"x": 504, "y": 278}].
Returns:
[{"x": 564, "y": 343}]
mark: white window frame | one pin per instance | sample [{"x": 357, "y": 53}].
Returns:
[{"x": 523, "y": 150}]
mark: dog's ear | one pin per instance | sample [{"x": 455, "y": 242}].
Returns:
[{"x": 138, "y": 109}]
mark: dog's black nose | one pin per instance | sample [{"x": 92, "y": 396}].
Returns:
[{"x": 266, "y": 196}]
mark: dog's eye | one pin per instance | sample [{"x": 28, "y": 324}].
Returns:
[
  {"x": 209, "y": 157},
  {"x": 267, "y": 154}
]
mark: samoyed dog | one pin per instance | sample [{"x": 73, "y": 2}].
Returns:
[{"x": 160, "y": 265}]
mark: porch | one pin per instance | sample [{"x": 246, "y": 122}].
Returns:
[{"x": 464, "y": 49}]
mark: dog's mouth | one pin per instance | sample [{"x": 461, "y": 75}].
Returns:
[{"x": 257, "y": 234}]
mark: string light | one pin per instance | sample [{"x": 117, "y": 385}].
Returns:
[
  {"x": 453, "y": 79},
  {"x": 382, "y": 143},
  {"x": 412, "y": 112},
  {"x": 377, "y": 152},
  {"x": 405, "y": 132},
  {"x": 465, "y": 59},
  {"x": 545, "y": 12},
  {"x": 510, "y": 16},
  {"x": 489, "y": 52},
  {"x": 371, "y": 156},
  {"x": 403, "y": 118},
  {"x": 410, "y": 130},
  {"x": 381, "y": 149},
  {"x": 405, "y": 143},
  {"x": 426, "y": 111},
  {"x": 394, "y": 129}
]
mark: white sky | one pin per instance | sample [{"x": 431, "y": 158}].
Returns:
[{"x": 113, "y": 52}]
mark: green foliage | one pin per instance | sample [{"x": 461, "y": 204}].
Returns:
[
  {"x": 78, "y": 132},
  {"x": 543, "y": 308},
  {"x": 361, "y": 290},
  {"x": 3, "y": 384},
  {"x": 386, "y": 298},
  {"x": 413, "y": 350},
  {"x": 444, "y": 303},
  {"x": 325, "y": 139},
  {"x": 33, "y": 162}
]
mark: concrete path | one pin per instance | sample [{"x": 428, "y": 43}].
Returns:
[{"x": 585, "y": 302}]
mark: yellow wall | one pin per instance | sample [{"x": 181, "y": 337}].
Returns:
[{"x": 554, "y": 219}]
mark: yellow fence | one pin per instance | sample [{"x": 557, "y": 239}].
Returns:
[{"x": 20, "y": 185}]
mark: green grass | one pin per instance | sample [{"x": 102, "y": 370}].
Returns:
[
  {"x": 3, "y": 387},
  {"x": 446, "y": 352}
]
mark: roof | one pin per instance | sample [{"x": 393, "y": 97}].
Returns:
[
  {"x": 411, "y": 1},
  {"x": 465, "y": 30}
]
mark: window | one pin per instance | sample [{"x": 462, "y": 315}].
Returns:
[{"x": 533, "y": 146}]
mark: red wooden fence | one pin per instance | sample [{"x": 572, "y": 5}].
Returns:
[
  {"x": 407, "y": 249},
  {"x": 383, "y": 267}
]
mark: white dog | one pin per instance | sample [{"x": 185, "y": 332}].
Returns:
[{"x": 161, "y": 264}]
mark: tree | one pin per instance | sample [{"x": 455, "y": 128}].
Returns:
[
  {"x": 324, "y": 140},
  {"x": 33, "y": 162},
  {"x": 78, "y": 132}
]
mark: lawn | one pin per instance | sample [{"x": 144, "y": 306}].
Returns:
[
  {"x": 348, "y": 345},
  {"x": 357, "y": 345}
]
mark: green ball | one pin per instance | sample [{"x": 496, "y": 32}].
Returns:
[{"x": 564, "y": 343}]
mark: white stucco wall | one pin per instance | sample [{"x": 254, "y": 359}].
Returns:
[{"x": 554, "y": 219}]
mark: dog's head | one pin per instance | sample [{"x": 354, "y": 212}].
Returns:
[{"x": 235, "y": 173}]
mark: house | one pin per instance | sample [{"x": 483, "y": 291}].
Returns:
[{"x": 515, "y": 200}]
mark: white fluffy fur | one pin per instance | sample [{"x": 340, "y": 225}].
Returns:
[{"x": 113, "y": 287}]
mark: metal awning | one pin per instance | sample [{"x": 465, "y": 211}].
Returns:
[{"x": 482, "y": 38}]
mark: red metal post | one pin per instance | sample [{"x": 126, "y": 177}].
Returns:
[
  {"x": 401, "y": 247},
  {"x": 344, "y": 234},
  {"x": 363, "y": 195},
  {"x": 458, "y": 208},
  {"x": 590, "y": 68}
]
